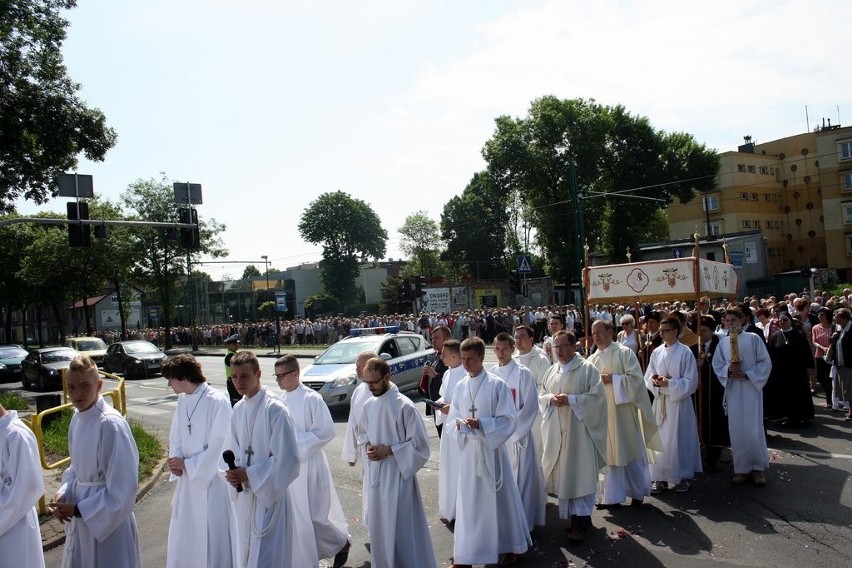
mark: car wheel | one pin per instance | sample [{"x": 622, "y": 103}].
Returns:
[
  {"x": 25, "y": 382},
  {"x": 126, "y": 371}
]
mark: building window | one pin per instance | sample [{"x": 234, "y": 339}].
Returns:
[
  {"x": 845, "y": 150},
  {"x": 715, "y": 228},
  {"x": 753, "y": 197},
  {"x": 751, "y": 169},
  {"x": 847, "y": 213},
  {"x": 741, "y": 168},
  {"x": 710, "y": 203},
  {"x": 746, "y": 224},
  {"x": 764, "y": 170},
  {"x": 756, "y": 223},
  {"x": 768, "y": 224},
  {"x": 848, "y": 246},
  {"x": 744, "y": 196},
  {"x": 767, "y": 197},
  {"x": 847, "y": 182}
]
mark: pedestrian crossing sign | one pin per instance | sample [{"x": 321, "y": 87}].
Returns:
[{"x": 524, "y": 264}]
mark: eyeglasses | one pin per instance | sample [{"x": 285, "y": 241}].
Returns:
[{"x": 282, "y": 375}]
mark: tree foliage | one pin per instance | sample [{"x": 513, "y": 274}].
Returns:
[
  {"x": 44, "y": 125},
  {"x": 251, "y": 271},
  {"x": 159, "y": 262},
  {"x": 421, "y": 239},
  {"x": 474, "y": 227},
  {"x": 615, "y": 154},
  {"x": 349, "y": 231}
]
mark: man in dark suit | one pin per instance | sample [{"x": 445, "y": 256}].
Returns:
[
  {"x": 433, "y": 373},
  {"x": 840, "y": 355}
]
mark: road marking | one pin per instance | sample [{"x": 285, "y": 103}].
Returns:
[
  {"x": 824, "y": 455},
  {"x": 146, "y": 411}
]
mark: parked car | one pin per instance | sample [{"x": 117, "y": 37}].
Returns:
[
  {"x": 94, "y": 347},
  {"x": 10, "y": 362},
  {"x": 137, "y": 358},
  {"x": 42, "y": 368},
  {"x": 333, "y": 372}
]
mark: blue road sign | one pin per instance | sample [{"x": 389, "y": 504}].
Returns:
[{"x": 524, "y": 264}]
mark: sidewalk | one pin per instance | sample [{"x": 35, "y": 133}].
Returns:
[{"x": 220, "y": 351}]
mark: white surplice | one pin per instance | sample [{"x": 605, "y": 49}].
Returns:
[
  {"x": 744, "y": 400},
  {"x": 396, "y": 518},
  {"x": 523, "y": 454},
  {"x": 490, "y": 517},
  {"x": 537, "y": 362},
  {"x": 448, "y": 469},
  {"x": 631, "y": 427},
  {"x": 200, "y": 529},
  {"x": 21, "y": 485},
  {"x": 314, "y": 488},
  {"x": 574, "y": 435},
  {"x": 263, "y": 440},
  {"x": 102, "y": 481},
  {"x": 678, "y": 427},
  {"x": 351, "y": 452}
]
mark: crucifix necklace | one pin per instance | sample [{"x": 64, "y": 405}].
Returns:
[
  {"x": 189, "y": 415},
  {"x": 472, "y": 394},
  {"x": 249, "y": 452}
]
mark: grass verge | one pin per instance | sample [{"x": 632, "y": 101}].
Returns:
[
  {"x": 149, "y": 446},
  {"x": 12, "y": 400}
]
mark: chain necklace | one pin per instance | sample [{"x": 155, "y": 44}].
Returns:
[
  {"x": 249, "y": 451},
  {"x": 472, "y": 395},
  {"x": 200, "y": 392}
]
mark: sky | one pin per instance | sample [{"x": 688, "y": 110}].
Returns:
[{"x": 270, "y": 103}]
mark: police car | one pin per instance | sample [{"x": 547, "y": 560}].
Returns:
[{"x": 333, "y": 373}]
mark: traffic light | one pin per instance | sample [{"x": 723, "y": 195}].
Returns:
[
  {"x": 515, "y": 281},
  {"x": 420, "y": 287},
  {"x": 78, "y": 235},
  {"x": 189, "y": 238}
]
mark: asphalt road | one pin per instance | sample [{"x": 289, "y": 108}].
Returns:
[{"x": 802, "y": 517}]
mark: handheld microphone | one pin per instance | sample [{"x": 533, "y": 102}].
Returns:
[{"x": 229, "y": 458}]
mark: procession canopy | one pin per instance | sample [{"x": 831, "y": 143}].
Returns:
[{"x": 660, "y": 280}]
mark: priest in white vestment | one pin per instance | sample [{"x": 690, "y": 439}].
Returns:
[
  {"x": 523, "y": 453},
  {"x": 490, "y": 517},
  {"x": 351, "y": 452},
  {"x": 21, "y": 485},
  {"x": 200, "y": 528},
  {"x": 98, "y": 492},
  {"x": 448, "y": 468},
  {"x": 263, "y": 440},
  {"x": 574, "y": 430},
  {"x": 672, "y": 376},
  {"x": 314, "y": 488},
  {"x": 396, "y": 447},
  {"x": 537, "y": 361},
  {"x": 743, "y": 402},
  {"x": 631, "y": 428}
]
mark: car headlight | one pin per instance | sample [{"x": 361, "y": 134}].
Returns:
[
  {"x": 2, "y": 367},
  {"x": 343, "y": 381}
]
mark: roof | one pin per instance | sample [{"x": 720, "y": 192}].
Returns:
[{"x": 90, "y": 302}]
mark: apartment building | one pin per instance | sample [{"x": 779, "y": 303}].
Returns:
[{"x": 797, "y": 191}]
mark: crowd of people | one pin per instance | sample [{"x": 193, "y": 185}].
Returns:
[{"x": 636, "y": 401}]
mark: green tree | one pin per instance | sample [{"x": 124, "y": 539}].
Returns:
[
  {"x": 251, "y": 271},
  {"x": 474, "y": 227},
  {"x": 13, "y": 290},
  {"x": 159, "y": 262},
  {"x": 44, "y": 124},
  {"x": 392, "y": 297},
  {"x": 421, "y": 240},
  {"x": 614, "y": 153},
  {"x": 349, "y": 231}
]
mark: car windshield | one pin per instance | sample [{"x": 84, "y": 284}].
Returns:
[
  {"x": 141, "y": 347},
  {"x": 13, "y": 353},
  {"x": 346, "y": 352},
  {"x": 91, "y": 345},
  {"x": 57, "y": 356}
]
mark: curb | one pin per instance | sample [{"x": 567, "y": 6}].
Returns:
[{"x": 56, "y": 532}]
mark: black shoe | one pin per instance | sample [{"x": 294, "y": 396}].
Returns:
[
  {"x": 341, "y": 557},
  {"x": 606, "y": 506},
  {"x": 636, "y": 502}
]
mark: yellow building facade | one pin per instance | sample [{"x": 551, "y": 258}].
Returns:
[{"x": 797, "y": 191}]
